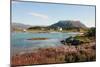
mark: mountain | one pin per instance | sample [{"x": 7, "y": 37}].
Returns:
[
  {"x": 19, "y": 26},
  {"x": 68, "y": 24},
  {"x": 64, "y": 24}
]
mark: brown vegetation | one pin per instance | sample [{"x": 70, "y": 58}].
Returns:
[
  {"x": 60, "y": 54},
  {"x": 37, "y": 39}
]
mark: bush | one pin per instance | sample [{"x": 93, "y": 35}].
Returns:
[{"x": 91, "y": 32}]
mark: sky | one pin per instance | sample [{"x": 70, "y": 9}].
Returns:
[{"x": 33, "y": 13}]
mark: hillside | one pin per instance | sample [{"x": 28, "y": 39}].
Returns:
[
  {"x": 19, "y": 26},
  {"x": 68, "y": 24}
]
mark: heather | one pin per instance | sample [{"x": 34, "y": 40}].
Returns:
[{"x": 61, "y": 54}]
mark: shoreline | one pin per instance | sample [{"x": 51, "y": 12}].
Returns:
[
  {"x": 60, "y": 54},
  {"x": 48, "y": 31},
  {"x": 81, "y": 48}
]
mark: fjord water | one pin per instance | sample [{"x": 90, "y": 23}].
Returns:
[{"x": 21, "y": 44}]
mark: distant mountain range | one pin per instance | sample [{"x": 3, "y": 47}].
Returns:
[
  {"x": 20, "y": 26},
  {"x": 63, "y": 24},
  {"x": 68, "y": 24}
]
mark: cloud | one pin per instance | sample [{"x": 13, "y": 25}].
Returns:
[{"x": 43, "y": 16}]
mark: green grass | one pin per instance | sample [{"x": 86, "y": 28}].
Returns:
[{"x": 84, "y": 39}]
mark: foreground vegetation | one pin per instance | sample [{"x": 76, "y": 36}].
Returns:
[
  {"x": 82, "y": 52},
  {"x": 61, "y": 54}
]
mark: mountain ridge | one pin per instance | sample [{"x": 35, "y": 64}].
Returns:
[
  {"x": 64, "y": 24},
  {"x": 68, "y": 24}
]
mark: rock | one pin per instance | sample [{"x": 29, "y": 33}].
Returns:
[
  {"x": 72, "y": 41},
  {"x": 75, "y": 42},
  {"x": 69, "y": 39},
  {"x": 63, "y": 42}
]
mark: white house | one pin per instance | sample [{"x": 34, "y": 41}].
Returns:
[
  {"x": 59, "y": 28},
  {"x": 24, "y": 30}
]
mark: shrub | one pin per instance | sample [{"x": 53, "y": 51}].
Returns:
[{"x": 91, "y": 32}]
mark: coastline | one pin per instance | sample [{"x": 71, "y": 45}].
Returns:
[
  {"x": 81, "y": 48},
  {"x": 61, "y": 54}
]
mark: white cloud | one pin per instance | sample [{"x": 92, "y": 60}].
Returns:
[{"x": 43, "y": 16}]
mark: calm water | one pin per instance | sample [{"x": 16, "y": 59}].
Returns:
[{"x": 20, "y": 44}]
